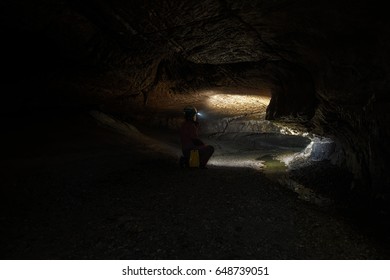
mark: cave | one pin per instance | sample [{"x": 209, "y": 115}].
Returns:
[{"x": 293, "y": 95}]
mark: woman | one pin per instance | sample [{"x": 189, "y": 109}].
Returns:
[{"x": 190, "y": 139}]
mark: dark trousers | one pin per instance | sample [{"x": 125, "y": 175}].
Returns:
[{"x": 205, "y": 153}]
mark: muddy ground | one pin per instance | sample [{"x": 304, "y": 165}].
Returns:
[{"x": 75, "y": 189}]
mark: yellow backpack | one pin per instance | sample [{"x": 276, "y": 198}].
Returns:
[{"x": 194, "y": 158}]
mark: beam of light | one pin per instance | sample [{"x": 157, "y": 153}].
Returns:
[
  {"x": 238, "y": 102},
  {"x": 237, "y": 163}
]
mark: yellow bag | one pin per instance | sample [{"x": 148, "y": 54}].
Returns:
[{"x": 194, "y": 158}]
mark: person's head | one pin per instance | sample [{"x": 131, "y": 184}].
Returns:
[{"x": 190, "y": 113}]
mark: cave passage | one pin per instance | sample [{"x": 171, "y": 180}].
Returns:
[
  {"x": 292, "y": 96},
  {"x": 91, "y": 186}
]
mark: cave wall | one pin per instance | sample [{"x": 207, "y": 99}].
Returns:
[{"x": 326, "y": 63}]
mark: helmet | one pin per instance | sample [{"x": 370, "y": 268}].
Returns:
[{"x": 190, "y": 112}]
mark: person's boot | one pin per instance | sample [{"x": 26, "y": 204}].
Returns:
[{"x": 183, "y": 162}]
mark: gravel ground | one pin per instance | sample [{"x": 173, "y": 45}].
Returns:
[{"x": 72, "y": 189}]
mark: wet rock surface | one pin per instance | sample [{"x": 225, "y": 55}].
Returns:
[{"x": 87, "y": 192}]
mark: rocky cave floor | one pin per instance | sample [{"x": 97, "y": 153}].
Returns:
[{"x": 73, "y": 189}]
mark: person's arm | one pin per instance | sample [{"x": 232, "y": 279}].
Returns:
[{"x": 198, "y": 142}]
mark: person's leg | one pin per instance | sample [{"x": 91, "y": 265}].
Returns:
[
  {"x": 183, "y": 162},
  {"x": 186, "y": 157},
  {"x": 205, "y": 154}
]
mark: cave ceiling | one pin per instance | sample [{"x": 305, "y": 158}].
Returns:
[{"x": 307, "y": 54}]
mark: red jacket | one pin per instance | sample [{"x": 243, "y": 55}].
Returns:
[{"x": 189, "y": 135}]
